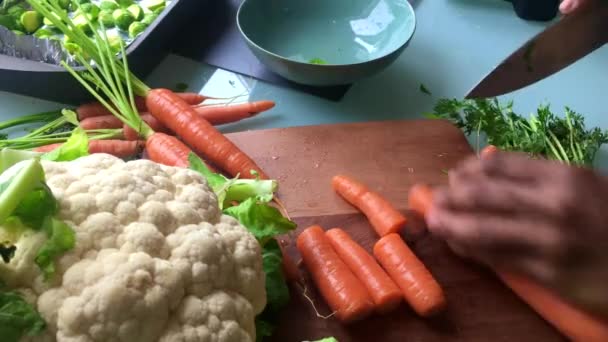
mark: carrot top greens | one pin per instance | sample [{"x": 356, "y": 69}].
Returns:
[{"x": 542, "y": 135}]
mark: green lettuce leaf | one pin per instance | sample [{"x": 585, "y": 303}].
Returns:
[
  {"x": 262, "y": 220},
  {"x": 75, "y": 147},
  {"x": 234, "y": 190},
  {"x": 10, "y": 157},
  {"x": 61, "y": 238},
  {"x": 16, "y": 183},
  {"x": 327, "y": 339},
  {"x": 18, "y": 318},
  {"x": 36, "y": 206},
  {"x": 277, "y": 292}
]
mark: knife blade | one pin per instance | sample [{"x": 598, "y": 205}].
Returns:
[{"x": 570, "y": 39}]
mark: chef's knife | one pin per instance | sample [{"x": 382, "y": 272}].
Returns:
[{"x": 570, "y": 39}]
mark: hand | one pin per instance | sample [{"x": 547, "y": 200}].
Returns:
[
  {"x": 570, "y": 6},
  {"x": 540, "y": 218}
]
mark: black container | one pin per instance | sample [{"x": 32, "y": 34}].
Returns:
[
  {"x": 537, "y": 10},
  {"x": 52, "y": 82}
]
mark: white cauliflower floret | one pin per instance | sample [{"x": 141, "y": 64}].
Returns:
[{"x": 154, "y": 258}]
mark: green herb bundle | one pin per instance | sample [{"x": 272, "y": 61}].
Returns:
[{"x": 542, "y": 135}]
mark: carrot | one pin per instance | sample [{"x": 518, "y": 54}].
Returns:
[
  {"x": 220, "y": 114},
  {"x": 488, "y": 151},
  {"x": 117, "y": 148},
  {"x": 381, "y": 287},
  {"x": 343, "y": 292},
  {"x": 577, "y": 325},
  {"x": 100, "y": 122},
  {"x": 216, "y": 115},
  {"x": 92, "y": 109},
  {"x": 416, "y": 282},
  {"x": 420, "y": 197},
  {"x": 382, "y": 215},
  {"x": 168, "y": 150},
  {"x": 569, "y": 320},
  {"x": 198, "y": 133}
]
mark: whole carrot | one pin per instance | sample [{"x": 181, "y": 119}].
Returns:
[
  {"x": 381, "y": 287},
  {"x": 340, "y": 288},
  {"x": 216, "y": 115},
  {"x": 382, "y": 215},
  {"x": 93, "y": 109},
  {"x": 223, "y": 114},
  {"x": 181, "y": 118},
  {"x": 575, "y": 324},
  {"x": 416, "y": 282},
  {"x": 117, "y": 148},
  {"x": 167, "y": 150}
]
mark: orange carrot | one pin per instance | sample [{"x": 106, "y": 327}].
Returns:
[
  {"x": 381, "y": 287},
  {"x": 181, "y": 118},
  {"x": 488, "y": 151},
  {"x": 168, "y": 150},
  {"x": 420, "y": 197},
  {"x": 92, "y": 109},
  {"x": 343, "y": 292},
  {"x": 575, "y": 324},
  {"x": 382, "y": 215},
  {"x": 117, "y": 148},
  {"x": 100, "y": 122},
  {"x": 569, "y": 320},
  {"x": 416, "y": 282},
  {"x": 221, "y": 114}
]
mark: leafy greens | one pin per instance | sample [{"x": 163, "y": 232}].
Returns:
[{"x": 542, "y": 135}]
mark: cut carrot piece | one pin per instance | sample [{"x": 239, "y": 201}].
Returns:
[
  {"x": 382, "y": 215},
  {"x": 416, "y": 282},
  {"x": 340, "y": 288},
  {"x": 381, "y": 287},
  {"x": 488, "y": 151},
  {"x": 420, "y": 197}
]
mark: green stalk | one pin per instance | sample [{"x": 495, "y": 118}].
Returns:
[{"x": 39, "y": 117}]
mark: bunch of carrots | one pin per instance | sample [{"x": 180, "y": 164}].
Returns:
[
  {"x": 356, "y": 284},
  {"x": 123, "y": 95},
  {"x": 124, "y": 143}
]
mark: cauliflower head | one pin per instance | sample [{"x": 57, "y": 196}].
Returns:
[{"x": 155, "y": 259}]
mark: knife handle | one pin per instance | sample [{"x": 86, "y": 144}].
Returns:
[{"x": 537, "y": 10}]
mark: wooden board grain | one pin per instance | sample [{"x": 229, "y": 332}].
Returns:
[{"x": 390, "y": 157}]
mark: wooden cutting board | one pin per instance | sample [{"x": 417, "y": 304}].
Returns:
[{"x": 390, "y": 157}]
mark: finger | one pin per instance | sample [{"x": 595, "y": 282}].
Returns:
[
  {"x": 493, "y": 195},
  {"x": 518, "y": 167},
  {"x": 497, "y": 234},
  {"x": 568, "y": 6},
  {"x": 537, "y": 268}
]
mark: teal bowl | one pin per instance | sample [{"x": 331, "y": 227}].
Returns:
[{"x": 326, "y": 42}]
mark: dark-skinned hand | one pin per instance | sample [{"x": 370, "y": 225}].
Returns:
[{"x": 541, "y": 218}]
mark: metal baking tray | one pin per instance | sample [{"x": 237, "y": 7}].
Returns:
[{"x": 52, "y": 82}]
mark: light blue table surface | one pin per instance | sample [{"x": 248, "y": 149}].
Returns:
[{"x": 456, "y": 43}]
